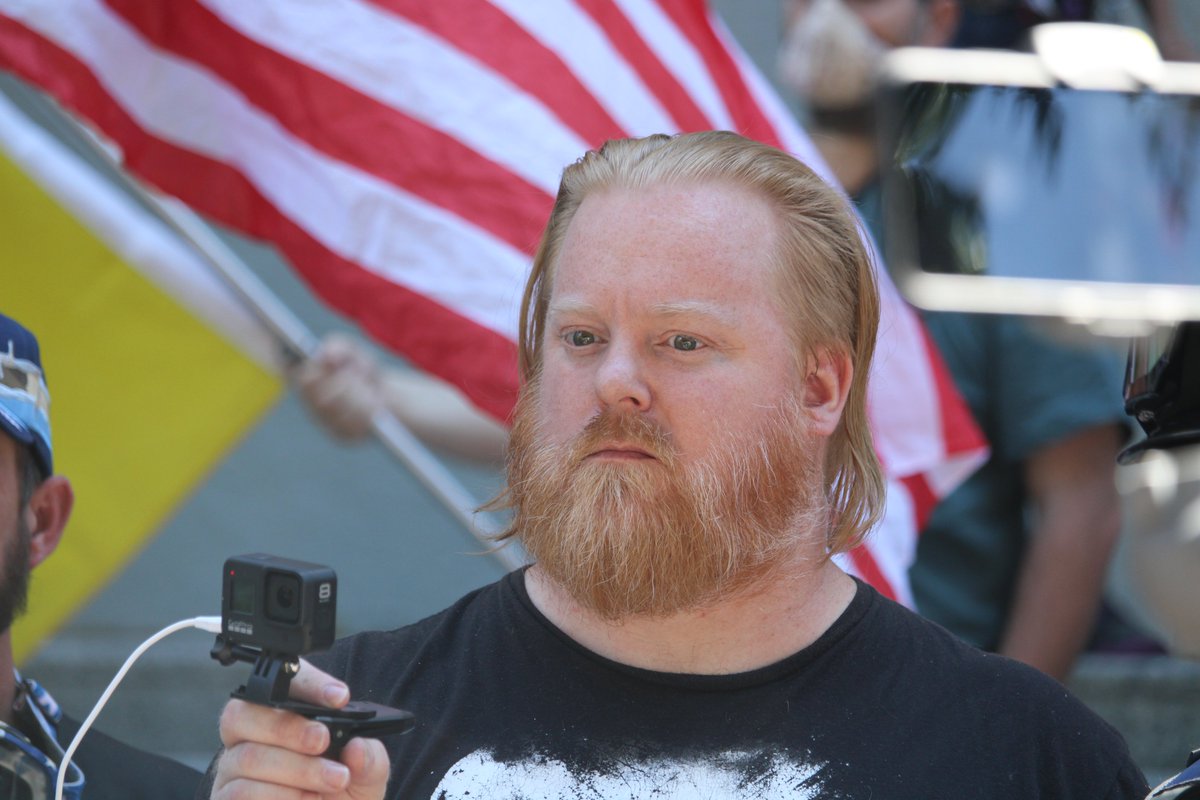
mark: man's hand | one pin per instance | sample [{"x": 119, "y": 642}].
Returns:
[
  {"x": 342, "y": 385},
  {"x": 277, "y": 754}
]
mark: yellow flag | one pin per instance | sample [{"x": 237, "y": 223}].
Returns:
[{"x": 147, "y": 392}]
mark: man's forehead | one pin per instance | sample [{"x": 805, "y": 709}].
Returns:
[{"x": 681, "y": 246}]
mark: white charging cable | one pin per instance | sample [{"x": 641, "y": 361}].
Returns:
[{"x": 210, "y": 624}]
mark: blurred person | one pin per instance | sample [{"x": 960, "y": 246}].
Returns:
[
  {"x": 1015, "y": 559},
  {"x": 689, "y": 449},
  {"x": 35, "y": 506},
  {"x": 829, "y": 56},
  {"x": 1160, "y": 482}
]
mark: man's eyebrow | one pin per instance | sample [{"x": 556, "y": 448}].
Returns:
[
  {"x": 569, "y": 306},
  {"x": 693, "y": 308}
]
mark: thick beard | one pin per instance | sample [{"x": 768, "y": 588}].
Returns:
[
  {"x": 14, "y": 582},
  {"x": 654, "y": 537}
]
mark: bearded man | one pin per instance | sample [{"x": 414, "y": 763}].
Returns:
[
  {"x": 35, "y": 506},
  {"x": 690, "y": 448}
]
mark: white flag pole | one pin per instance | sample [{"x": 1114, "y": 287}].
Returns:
[{"x": 294, "y": 337}]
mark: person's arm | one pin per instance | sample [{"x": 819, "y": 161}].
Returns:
[
  {"x": 343, "y": 386},
  {"x": 271, "y": 753},
  {"x": 1077, "y": 518}
]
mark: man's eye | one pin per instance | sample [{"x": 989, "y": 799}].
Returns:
[
  {"x": 685, "y": 343},
  {"x": 581, "y": 338}
]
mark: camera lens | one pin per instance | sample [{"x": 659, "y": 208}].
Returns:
[{"x": 283, "y": 598}]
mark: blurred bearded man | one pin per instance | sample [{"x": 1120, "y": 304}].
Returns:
[
  {"x": 830, "y": 56},
  {"x": 691, "y": 447},
  {"x": 35, "y": 506}
]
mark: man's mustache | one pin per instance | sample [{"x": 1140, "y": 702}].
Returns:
[{"x": 609, "y": 428}]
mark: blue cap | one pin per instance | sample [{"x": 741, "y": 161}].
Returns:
[{"x": 24, "y": 398}]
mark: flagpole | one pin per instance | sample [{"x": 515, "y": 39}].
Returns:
[{"x": 295, "y": 339}]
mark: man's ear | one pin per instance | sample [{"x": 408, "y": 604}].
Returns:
[
  {"x": 47, "y": 513},
  {"x": 826, "y": 387}
]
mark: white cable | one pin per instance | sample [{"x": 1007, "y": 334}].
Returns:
[{"x": 210, "y": 624}]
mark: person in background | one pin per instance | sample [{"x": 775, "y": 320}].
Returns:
[
  {"x": 35, "y": 507},
  {"x": 1015, "y": 560}
]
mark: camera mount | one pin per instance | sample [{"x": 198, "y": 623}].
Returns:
[{"x": 272, "y": 676}]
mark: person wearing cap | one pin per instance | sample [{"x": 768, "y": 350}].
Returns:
[{"x": 35, "y": 506}]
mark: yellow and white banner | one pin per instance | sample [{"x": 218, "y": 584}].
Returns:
[{"x": 154, "y": 368}]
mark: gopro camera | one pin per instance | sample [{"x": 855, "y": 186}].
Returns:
[
  {"x": 274, "y": 610},
  {"x": 278, "y": 605}
]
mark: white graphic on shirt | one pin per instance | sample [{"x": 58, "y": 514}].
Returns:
[{"x": 752, "y": 776}]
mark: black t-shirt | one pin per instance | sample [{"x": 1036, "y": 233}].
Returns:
[
  {"x": 113, "y": 770},
  {"x": 884, "y": 705}
]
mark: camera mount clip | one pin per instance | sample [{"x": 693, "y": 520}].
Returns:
[{"x": 272, "y": 677}]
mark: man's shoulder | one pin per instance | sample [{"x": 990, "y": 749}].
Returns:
[
  {"x": 980, "y": 682},
  {"x": 973, "y": 702},
  {"x": 947, "y": 663},
  {"x": 114, "y": 770},
  {"x": 426, "y": 639}
]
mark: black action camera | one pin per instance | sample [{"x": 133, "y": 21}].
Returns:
[
  {"x": 274, "y": 610},
  {"x": 279, "y": 605}
]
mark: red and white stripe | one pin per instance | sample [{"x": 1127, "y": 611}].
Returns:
[{"x": 403, "y": 155}]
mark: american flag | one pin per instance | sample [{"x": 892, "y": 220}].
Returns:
[{"x": 403, "y": 156}]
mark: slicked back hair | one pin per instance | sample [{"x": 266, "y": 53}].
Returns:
[{"x": 822, "y": 270}]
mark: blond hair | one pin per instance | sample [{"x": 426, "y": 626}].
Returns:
[{"x": 823, "y": 272}]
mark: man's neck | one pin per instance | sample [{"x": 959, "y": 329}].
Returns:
[{"x": 742, "y": 633}]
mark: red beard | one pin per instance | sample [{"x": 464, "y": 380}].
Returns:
[{"x": 654, "y": 537}]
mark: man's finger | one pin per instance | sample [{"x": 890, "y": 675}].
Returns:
[
  {"x": 252, "y": 790},
  {"x": 252, "y": 763},
  {"x": 311, "y": 685},
  {"x": 247, "y": 722},
  {"x": 367, "y": 760}
]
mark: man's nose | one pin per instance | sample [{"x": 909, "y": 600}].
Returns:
[{"x": 621, "y": 378}]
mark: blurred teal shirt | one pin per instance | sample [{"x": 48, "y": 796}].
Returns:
[{"x": 1027, "y": 390}]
